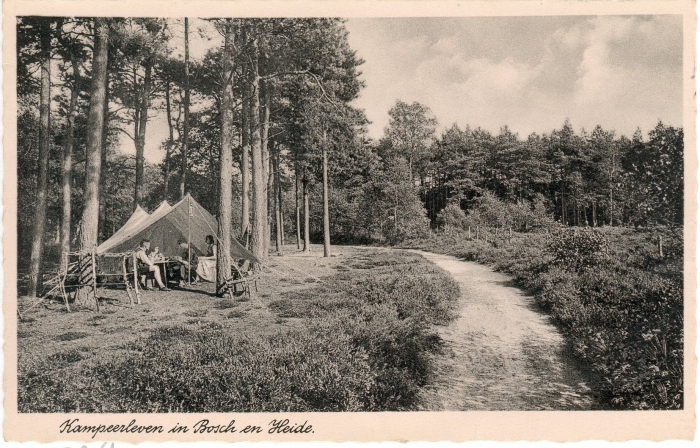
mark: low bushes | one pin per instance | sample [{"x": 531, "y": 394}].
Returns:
[
  {"x": 389, "y": 314},
  {"x": 615, "y": 298},
  {"x": 179, "y": 370},
  {"x": 364, "y": 344}
]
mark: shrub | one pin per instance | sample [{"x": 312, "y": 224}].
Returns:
[
  {"x": 490, "y": 211},
  {"x": 215, "y": 372},
  {"x": 619, "y": 305},
  {"x": 452, "y": 217},
  {"x": 578, "y": 248}
]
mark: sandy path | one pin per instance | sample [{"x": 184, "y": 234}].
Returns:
[{"x": 501, "y": 354}]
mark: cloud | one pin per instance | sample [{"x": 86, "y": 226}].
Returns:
[{"x": 528, "y": 73}]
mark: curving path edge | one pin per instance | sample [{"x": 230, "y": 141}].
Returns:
[{"x": 500, "y": 353}]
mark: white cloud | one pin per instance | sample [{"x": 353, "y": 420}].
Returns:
[{"x": 620, "y": 72}]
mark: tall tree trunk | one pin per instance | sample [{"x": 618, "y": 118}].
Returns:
[
  {"x": 611, "y": 201},
  {"x": 326, "y": 216},
  {"x": 102, "y": 228},
  {"x": 245, "y": 164},
  {"x": 305, "y": 194},
  {"x": 277, "y": 202},
  {"x": 223, "y": 257},
  {"x": 140, "y": 139},
  {"x": 267, "y": 161},
  {"x": 257, "y": 239},
  {"x": 168, "y": 148},
  {"x": 67, "y": 171},
  {"x": 37, "y": 253},
  {"x": 269, "y": 202},
  {"x": 563, "y": 207},
  {"x": 88, "y": 224},
  {"x": 186, "y": 124},
  {"x": 595, "y": 218},
  {"x": 297, "y": 209},
  {"x": 95, "y": 128}
]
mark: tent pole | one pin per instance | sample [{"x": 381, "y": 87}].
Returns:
[{"x": 189, "y": 243}]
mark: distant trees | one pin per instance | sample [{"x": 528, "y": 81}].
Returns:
[
  {"x": 655, "y": 179},
  {"x": 410, "y": 134},
  {"x": 391, "y": 204},
  {"x": 579, "y": 179}
]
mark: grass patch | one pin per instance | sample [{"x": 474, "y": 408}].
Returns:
[
  {"x": 226, "y": 304},
  {"x": 67, "y": 357},
  {"x": 236, "y": 314},
  {"x": 71, "y": 336},
  {"x": 288, "y": 308}
]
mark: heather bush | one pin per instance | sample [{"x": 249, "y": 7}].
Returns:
[
  {"x": 578, "y": 248},
  {"x": 179, "y": 370},
  {"x": 389, "y": 314},
  {"x": 365, "y": 345},
  {"x": 618, "y": 302}
]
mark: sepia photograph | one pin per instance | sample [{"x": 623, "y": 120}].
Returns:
[{"x": 428, "y": 215}]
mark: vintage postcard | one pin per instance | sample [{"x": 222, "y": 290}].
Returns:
[{"x": 357, "y": 221}]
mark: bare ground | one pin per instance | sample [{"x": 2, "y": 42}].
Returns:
[{"x": 501, "y": 353}]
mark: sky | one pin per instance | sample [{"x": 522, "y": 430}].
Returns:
[{"x": 529, "y": 73}]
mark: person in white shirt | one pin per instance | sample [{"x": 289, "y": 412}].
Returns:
[
  {"x": 156, "y": 255},
  {"x": 206, "y": 266},
  {"x": 146, "y": 264}
]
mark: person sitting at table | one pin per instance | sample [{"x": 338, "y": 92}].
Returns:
[
  {"x": 156, "y": 255},
  {"x": 188, "y": 263},
  {"x": 206, "y": 269},
  {"x": 146, "y": 266}
]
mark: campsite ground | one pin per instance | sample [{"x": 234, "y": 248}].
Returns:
[
  {"x": 314, "y": 299},
  {"x": 49, "y": 332}
]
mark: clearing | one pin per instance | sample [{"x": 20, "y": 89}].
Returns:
[{"x": 499, "y": 353}]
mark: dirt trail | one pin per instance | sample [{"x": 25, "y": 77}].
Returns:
[{"x": 500, "y": 353}]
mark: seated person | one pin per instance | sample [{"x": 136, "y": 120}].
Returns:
[
  {"x": 187, "y": 268},
  {"x": 156, "y": 255},
  {"x": 145, "y": 264},
  {"x": 206, "y": 269},
  {"x": 211, "y": 246}
]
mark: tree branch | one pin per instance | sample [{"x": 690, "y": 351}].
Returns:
[{"x": 132, "y": 138}]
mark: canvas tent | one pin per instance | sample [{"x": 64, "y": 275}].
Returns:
[
  {"x": 136, "y": 218},
  {"x": 186, "y": 220}
]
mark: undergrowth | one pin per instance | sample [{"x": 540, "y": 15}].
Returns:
[
  {"x": 363, "y": 345},
  {"x": 618, "y": 301}
]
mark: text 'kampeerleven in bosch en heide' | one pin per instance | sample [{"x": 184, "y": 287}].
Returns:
[{"x": 204, "y": 426}]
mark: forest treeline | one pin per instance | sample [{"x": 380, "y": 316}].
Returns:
[{"x": 263, "y": 133}]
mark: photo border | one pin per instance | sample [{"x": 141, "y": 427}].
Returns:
[{"x": 557, "y": 426}]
